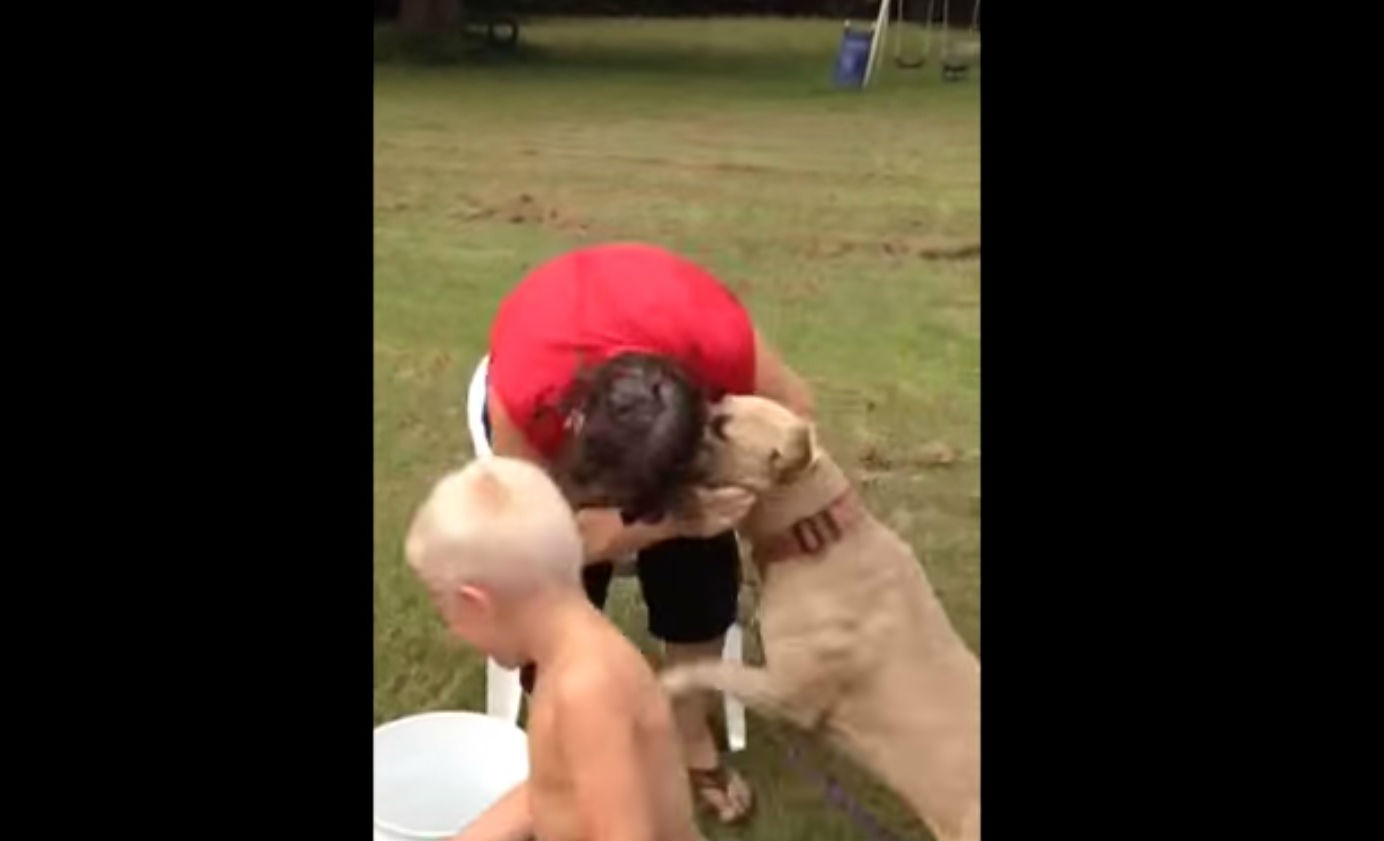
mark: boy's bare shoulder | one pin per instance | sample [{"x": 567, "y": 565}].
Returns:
[{"x": 604, "y": 678}]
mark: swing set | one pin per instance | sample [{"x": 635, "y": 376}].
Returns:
[{"x": 956, "y": 56}]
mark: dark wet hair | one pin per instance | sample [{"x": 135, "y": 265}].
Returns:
[{"x": 638, "y": 425}]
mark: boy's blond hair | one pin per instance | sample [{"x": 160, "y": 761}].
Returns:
[{"x": 498, "y": 522}]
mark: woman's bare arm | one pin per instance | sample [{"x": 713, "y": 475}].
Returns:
[
  {"x": 775, "y": 380},
  {"x": 506, "y": 439},
  {"x": 605, "y": 536}
]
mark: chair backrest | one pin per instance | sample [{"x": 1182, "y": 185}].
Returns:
[{"x": 475, "y": 409}]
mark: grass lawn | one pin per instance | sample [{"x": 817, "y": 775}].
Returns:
[{"x": 847, "y": 222}]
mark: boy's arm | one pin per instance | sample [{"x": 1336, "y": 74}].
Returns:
[
  {"x": 610, "y": 788},
  {"x": 508, "y": 819}
]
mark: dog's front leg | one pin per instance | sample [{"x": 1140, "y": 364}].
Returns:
[{"x": 761, "y": 689}]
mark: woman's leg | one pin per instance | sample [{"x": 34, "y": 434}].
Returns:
[{"x": 692, "y": 587}]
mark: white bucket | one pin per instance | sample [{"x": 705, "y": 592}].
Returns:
[{"x": 437, "y": 772}]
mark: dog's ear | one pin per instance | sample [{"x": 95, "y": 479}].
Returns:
[
  {"x": 716, "y": 427},
  {"x": 800, "y": 456},
  {"x": 814, "y": 445}
]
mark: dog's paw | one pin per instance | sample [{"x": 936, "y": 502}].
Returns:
[{"x": 676, "y": 681}]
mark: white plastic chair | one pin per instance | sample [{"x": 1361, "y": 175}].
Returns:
[{"x": 503, "y": 692}]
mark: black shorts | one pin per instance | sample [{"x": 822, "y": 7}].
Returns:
[{"x": 691, "y": 585}]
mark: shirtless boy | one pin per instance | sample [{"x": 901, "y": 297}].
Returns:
[{"x": 497, "y": 548}]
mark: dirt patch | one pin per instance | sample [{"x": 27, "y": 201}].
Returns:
[
  {"x": 828, "y": 249},
  {"x": 966, "y": 251},
  {"x": 470, "y": 210},
  {"x": 936, "y": 454},
  {"x": 442, "y": 361},
  {"x": 523, "y": 209},
  {"x": 799, "y": 289},
  {"x": 923, "y": 249},
  {"x": 730, "y": 167},
  {"x": 875, "y": 459}
]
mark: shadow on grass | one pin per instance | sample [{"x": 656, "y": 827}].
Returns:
[
  {"x": 625, "y": 57},
  {"x": 461, "y": 46}
]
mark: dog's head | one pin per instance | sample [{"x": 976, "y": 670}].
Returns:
[{"x": 756, "y": 444}]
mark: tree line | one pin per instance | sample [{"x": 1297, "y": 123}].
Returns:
[{"x": 437, "y": 14}]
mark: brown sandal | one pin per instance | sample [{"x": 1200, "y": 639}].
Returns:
[{"x": 719, "y": 779}]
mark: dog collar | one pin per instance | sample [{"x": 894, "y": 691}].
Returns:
[{"x": 812, "y": 533}]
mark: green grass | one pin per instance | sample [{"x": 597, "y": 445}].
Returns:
[{"x": 722, "y": 139}]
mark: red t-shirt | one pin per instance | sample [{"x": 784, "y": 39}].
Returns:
[{"x": 591, "y": 304}]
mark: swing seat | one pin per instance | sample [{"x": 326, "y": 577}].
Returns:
[{"x": 959, "y": 59}]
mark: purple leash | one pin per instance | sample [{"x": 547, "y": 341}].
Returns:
[{"x": 837, "y": 796}]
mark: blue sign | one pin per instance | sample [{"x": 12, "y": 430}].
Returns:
[{"x": 853, "y": 58}]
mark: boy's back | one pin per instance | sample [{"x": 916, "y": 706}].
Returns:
[
  {"x": 603, "y": 751},
  {"x": 498, "y": 551}
]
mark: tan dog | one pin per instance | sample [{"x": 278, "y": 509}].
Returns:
[{"x": 855, "y": 641}]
